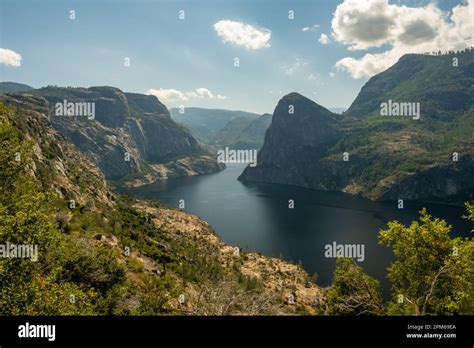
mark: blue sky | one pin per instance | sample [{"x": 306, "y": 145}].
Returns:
[{"x": 167, "y": 53}]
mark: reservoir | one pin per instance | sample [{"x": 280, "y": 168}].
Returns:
[{"x": 257, "y": 218}]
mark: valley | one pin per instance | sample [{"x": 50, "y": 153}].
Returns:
[{"x": 151, "y": 221}]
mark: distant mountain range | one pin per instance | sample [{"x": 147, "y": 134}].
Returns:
[
  {"x": 252, "y": 136},
  {"x": 381, "y": 157},
  {"x": 216, "y": 128},
  {"x": 13, "y": 87}
]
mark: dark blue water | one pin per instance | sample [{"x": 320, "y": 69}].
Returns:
[{"x": 257, "y": 218}]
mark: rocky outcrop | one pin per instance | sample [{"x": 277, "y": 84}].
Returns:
[
  {"x": 451, "y": 182},
  {"x": 284, "y": 282},
  {"x": 70, "y": 174},
  {"x": 130, "y": 135},
  {"x": 298, "y": 138}
]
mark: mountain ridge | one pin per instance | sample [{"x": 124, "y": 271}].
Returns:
[
  {"x": 132, "y": 137},
  {"x": 13, "y": 87},
  {"x": 379, "y": 157},
  {"x": 218, "y": 128}
]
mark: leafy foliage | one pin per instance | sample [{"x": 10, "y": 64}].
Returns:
[
  {"x": 31, "y": 286},
  {"x": 432, "y": 274},
  {"x": 352, "y": 292}
]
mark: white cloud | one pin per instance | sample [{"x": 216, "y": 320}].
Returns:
[
  {"x": 363, "y": 24},
  {"x": 9, "y": 57},
  {"x": 311, "y": 28},
  {"x": 200, "y": 93},
  {"x": 366, "y": 24},
  {"x": 323, "y": 39},
  {"x": 243, "y": 34},
  {"x": 369, "y": 64},
  {"x": 173, "y": 95},
  {"x": 331, "y": 74},
  {"x": 167, "y": 95},
  {"x": 463, "y": 18},
  {"x": 313, "y": 77}
]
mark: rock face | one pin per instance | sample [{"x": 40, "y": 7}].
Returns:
[
  {"x": 130, "y": 134},
  {"x": 161, "y": 138},
  {"x": 57, "y": 164},
  {"x": 380, "y": 157},
  {"x": 294, "y": 144}
]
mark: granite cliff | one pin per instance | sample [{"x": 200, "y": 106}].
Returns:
[{"x": 131, "y": 137}]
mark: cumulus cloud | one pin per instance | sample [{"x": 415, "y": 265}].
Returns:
[
  {"x": 369, "y": 64},
  {"x": 324, "y": 39},
  {"x": 463, "y": 18},
  {"x": 362, "y": 25},
  {"x": 173, "y": 95},
  {"x": 168, "y": 95},
  {"x": 200, "y": 93},
  {"x": 243, "y": 34},
  {"x": 9, "y": 57}
]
